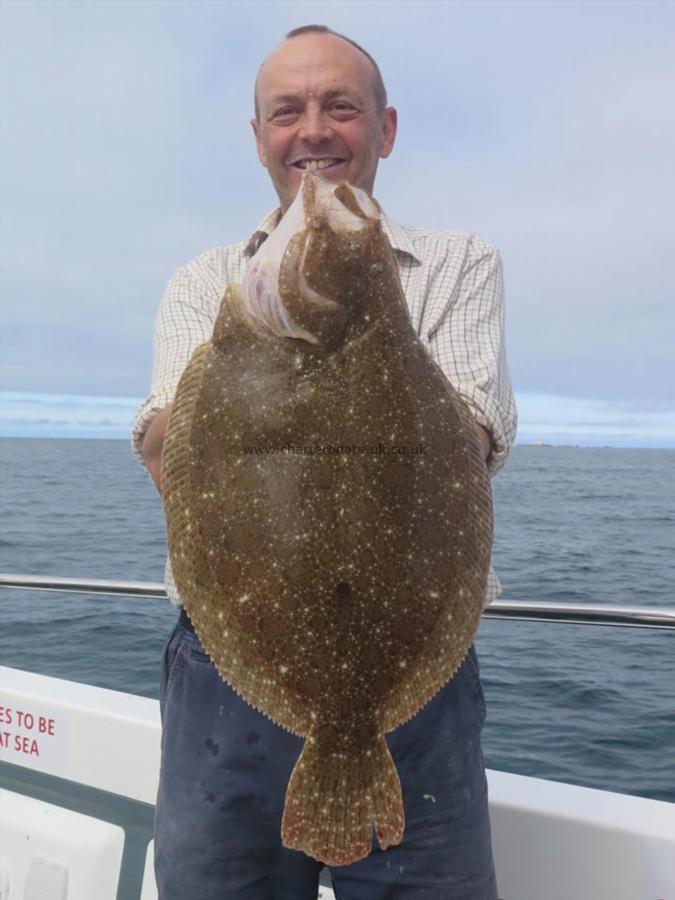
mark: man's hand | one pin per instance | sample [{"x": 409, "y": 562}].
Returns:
[
  {"x": 485, "y": 441},
  {"x": 151, "y": 448}
]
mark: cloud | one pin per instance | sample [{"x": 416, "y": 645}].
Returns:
[
  {"x": 25, "y": 414},
  {"x": 556, "y": 419},
  {"x": 126, "y": 150},
  {"x": 547, "y": 418}
]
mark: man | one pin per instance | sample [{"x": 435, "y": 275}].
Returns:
[{"x": 225, "y": 767}]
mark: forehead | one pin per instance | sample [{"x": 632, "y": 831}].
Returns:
[{"x": 316, "y": 63}]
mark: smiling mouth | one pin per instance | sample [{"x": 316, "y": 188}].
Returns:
[{"x": 319, "y": 163}]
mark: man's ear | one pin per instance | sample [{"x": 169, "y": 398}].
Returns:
[
  {"x": 388, "y": 134},
  {"x": 255, "y": 125}
]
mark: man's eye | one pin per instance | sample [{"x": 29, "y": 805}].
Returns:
[
  {"x": 285, "y": 113},
  {"x": 342, "y": 109}
]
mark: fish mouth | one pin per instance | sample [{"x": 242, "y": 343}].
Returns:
[
  {"x": 317, "y": 163},
  {"x": 298, "y": 310}
]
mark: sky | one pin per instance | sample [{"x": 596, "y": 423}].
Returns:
[{"x": 546, "y": 127}]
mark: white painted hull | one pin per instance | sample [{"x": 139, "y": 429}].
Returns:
[{"x": 551, "y": 841}]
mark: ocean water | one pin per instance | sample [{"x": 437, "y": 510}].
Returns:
[{"x": 581, "y": 704}]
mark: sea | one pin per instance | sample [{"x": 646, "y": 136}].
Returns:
[{"x": 588, "y": 705}]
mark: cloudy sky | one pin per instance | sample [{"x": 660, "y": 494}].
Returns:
[{"x": 545, "y": 126}]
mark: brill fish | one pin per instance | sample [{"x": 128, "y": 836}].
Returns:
[{"x": 329, "y": 514}]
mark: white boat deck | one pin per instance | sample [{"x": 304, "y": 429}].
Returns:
[{"x": 551, "y": 841}]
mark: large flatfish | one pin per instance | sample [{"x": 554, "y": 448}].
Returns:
[{"x": 328, "y": 512}]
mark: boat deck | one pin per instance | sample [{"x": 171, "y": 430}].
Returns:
[{"x": 81, "y": 765}]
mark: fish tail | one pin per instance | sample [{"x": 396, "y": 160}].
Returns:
[{"x": 335, "y": 799}]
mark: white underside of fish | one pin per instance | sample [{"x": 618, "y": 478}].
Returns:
[{"x": 261, "y": 300}]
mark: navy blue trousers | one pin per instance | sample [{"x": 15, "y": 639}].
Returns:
[{"x": 223, "y": 777}]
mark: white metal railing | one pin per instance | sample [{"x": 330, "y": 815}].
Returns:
[{"x": 532, "y": 611}]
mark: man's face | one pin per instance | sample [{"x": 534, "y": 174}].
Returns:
[{"x": 317, "y": 101}]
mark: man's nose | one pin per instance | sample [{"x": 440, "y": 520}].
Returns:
[{"x": 315, "y": 126}]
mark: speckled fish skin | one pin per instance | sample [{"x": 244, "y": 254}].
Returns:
[{"x": 336, "y": 592}]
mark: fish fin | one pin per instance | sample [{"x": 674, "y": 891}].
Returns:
[{"x": 334, "y": 799}]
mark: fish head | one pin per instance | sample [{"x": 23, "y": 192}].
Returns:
[{"x": 312, "y": 275}]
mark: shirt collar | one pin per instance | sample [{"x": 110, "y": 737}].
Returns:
[{"x": 394, "y": 232}]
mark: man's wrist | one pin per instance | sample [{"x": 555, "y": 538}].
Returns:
[
  {"x": 485, "y": 440},
  {"x": 153, "y": 442}
]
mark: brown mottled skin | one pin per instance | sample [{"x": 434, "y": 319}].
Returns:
[{"x": 335, "y": 592}]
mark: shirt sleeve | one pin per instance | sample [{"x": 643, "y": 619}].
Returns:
[
  {"x": 184, "y": 320},
  {"x": 469, "y": 345}
]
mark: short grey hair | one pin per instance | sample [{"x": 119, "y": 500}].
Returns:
[{"x": 380, "y": 90}]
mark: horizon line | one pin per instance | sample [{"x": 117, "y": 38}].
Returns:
[{"x": 526, "y": 442}]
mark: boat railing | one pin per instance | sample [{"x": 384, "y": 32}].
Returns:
[{"x": 524, "y": 610}]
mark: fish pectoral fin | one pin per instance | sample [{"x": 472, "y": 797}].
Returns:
[{"x": 335, "y": 798}]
